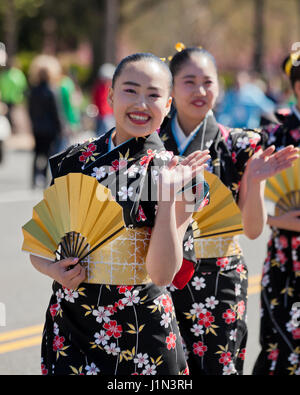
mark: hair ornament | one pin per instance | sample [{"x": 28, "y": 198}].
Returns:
[
  {"x": 290, "y": 62},
  {"x": 179, "y": 46}
]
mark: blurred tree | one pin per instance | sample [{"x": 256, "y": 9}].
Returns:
[
  {"x": 259, "y": 27},
  {"x": 11, "y": 11}
]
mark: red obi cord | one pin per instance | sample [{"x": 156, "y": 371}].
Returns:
[{"x": 184, "y": 275}]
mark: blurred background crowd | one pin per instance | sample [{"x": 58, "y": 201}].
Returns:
[{"x": 57, "y": 60}]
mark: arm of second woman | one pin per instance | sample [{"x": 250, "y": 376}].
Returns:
[
  {"x": 262, "y": 165},
  {"x": 164, "y": 257}
]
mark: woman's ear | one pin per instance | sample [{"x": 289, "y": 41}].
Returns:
[
  {"x": 110, "y": 97},
  {"x": 168, "y": 106}
]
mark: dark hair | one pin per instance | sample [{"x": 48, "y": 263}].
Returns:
[
  {"x": 180, "y": 58},
  {"x": 136, "y": 58},
  {"x": 291, "y": 70}
]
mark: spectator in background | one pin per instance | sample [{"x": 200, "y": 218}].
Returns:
[
  {"x": 13, "y": 85},
  {"x": 105, "y": 118},
  {"x": 68, "y": 97},
  {"x": 245, "y": 104},
  {"x": 5, "y": 127},
  {"x": 44, "y": 74}
]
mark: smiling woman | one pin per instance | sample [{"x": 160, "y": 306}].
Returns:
[{"x": 104, "y": 315}]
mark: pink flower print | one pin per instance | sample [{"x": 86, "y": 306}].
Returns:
[
  {"x": 229, "y": 316},
  {"x": 141, "y": 215},
  {"x": 296, "y": 333},
  {"x": 171, "y": 341},
  {"x": 58, "y": 343},
  {"x": 225, "y": 358},
  {"x": 281, "y": 257},
  {"x": 124, "y": 288},
  {"x": 54, "y": 309},
  {"x": 222, "y": 262},
  {"x": 206, "y": 319},
  {"x": 234, "y": 157},
  {"x": 241, "y": 308},
  {"x": 199, "y": 349},
  {"x": 147, "y": 158},
  {"x": 44, "y": 370},
  {"x": 273, "y": 355},
  {"x": 113, "y": 329},
  {"x": 295, "y": 133},
  {"x": 295, "y": 242},
  {"x": 167, "y": 304},
  {"x": 283, "y": 242},
  {"x": 88, "y": 153},
  {"x": 240, "y": 268},
  {"x": 296, "y": 266},
  {"x": 242, "y": 354}
]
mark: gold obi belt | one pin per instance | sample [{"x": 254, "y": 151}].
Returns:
[
  {"x": 122, "y": 261},
  {"x": 216, "y": 247}
]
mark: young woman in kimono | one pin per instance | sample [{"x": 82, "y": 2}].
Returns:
[
  {"x": 280, "y": 295},
  {"x": 211, "y": 308},
  {"x": 115, "y": 316}
]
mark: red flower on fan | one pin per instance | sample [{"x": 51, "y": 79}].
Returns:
[{"x": 113, "y": 329}]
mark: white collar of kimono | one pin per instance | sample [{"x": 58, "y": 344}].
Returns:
[
  {"x": 181, "y": 139},
  {"x": 296, "y": 112}
]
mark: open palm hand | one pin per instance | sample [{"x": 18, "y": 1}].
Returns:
[
  {"x": 176, "y": 175},
  {"x": 267, "y": 163}
]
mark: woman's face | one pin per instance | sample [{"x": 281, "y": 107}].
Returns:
[
  {"x": 196, "y": 88},
  {"x": 140, "y": 99}
]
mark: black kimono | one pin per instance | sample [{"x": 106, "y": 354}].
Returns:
[
  {"x": 211, "y": 309},
  {"x": 280, "y": 295},
  {"x": 116, "y": 322}
]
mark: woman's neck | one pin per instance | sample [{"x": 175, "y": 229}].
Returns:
[
  {"x": 118, "y": 138},
  {"x": 188, "y": 125}
]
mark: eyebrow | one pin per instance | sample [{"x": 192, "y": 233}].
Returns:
[
  {"x": 193, "y": 76},
  {"x": 138, "y": 85}
]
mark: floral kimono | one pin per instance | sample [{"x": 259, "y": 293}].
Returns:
[
  {"x": 211, "y": 308},
  {"x": 117, "y": 322},
  {"x": 280, "y": 295}
]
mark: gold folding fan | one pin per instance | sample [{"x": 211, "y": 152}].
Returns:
[
  {"x": 222, "y": 217},
  {"x": 76, "y": 216},
  {"x": 284, "y": 189}
]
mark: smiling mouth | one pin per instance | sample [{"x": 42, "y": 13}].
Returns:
[
  {"x": 138, "y": 118},
  {"x": 199, "y": 103}
]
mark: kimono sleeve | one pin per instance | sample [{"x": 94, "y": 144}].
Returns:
[{"x": 244, "y": 143}]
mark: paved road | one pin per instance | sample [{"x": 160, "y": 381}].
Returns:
[{"x": 24, "y": 293}]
